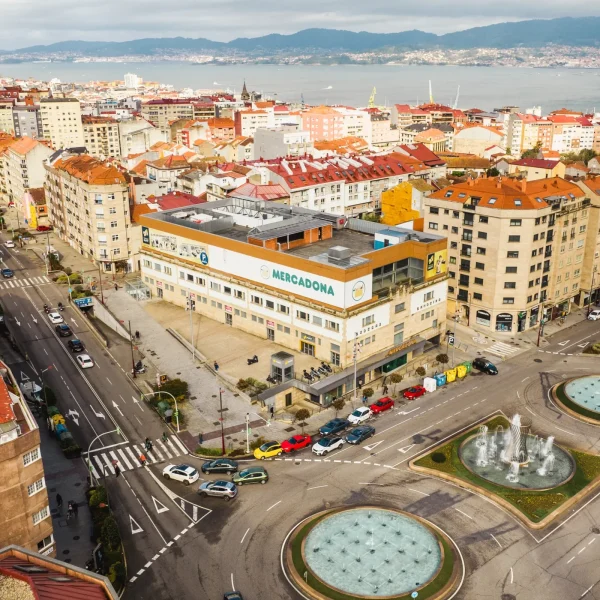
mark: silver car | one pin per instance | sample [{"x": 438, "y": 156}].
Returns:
[{"x": 219, "y": 488}]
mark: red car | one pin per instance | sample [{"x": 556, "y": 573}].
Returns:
[
  {"x": 381, "y": 405},
  {"x": 43, "y": 228},
  {"x": 414, "y": 392},
  {"x": 296, "y": 442}
]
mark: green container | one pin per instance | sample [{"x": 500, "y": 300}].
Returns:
[
  {"x": 467, "y": 366},
  {"x": 162, "y": 406},
  {"x": 53, "y": 410}
]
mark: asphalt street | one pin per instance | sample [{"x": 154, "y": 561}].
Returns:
[{"x": 182, "y": 546}]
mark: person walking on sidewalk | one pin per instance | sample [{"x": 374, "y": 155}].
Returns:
[
  {"x": 59, "y": 502},
  {"x": 116, "y": 288}
]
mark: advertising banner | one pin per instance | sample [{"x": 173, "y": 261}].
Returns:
[{"x": 436, "y": 263}]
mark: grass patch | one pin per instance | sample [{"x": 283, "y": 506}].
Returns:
[
  {"x": 536, "y": 505},
  {"x": 561, "y": 394},
  {"x": 441, "y": 580}
]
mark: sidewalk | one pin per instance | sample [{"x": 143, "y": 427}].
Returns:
[{"x": 67, "y": 477}]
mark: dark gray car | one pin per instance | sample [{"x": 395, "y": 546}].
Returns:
[{"x": 359, "y": 434}]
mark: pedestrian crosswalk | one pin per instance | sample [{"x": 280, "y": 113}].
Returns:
[
  {"x": 15, "y": 282},
  {"x": 501, "y": 349},
  {"x": 102, "y": 461}
]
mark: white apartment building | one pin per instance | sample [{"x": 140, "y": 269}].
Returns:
[
  {"x": 132, "y": 81},
  {"x": 248, "y": 121},
  {"x": 138, "y": 135},
  {"x": 7, "y": 124},
  {"x": 287, "y": 140},
  {"x": 24, "y": 167},
  {"x": 88, "y": 204},
  {"x": 61, "y": 122},
  {"x": 101, "y": 137}
]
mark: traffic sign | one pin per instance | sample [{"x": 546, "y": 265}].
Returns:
[{"x": 451, "y": 339}]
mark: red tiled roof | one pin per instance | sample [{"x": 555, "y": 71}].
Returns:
[
  {"x": 7, "y": 414},
  {"x": 175, "y": 200},
  {"x": 170, "y": 162},
  {"x": 91, "y": 170},
  {"x": 422, "y": 153},
  {"x": 536, "y": 163}
]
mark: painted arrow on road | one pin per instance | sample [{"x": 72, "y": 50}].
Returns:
[
  {"x": 17, "y": 322},
  {"x": 137, "y": 402},
  {"x": 159, "y": 506},
  {"x": 34, "y": 319},
  {"x": 24, "y": 377},
  {"x": 137, "y": 528},
  {"x": 117, "y": 407},
  {"x": 99, "y": 415},
  {"x": 74, "y": 321},
  {"x": 74, "y": 415}
]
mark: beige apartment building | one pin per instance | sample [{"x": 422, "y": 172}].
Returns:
[
  {"x": 590, "y": 278},
  {"x": 162, "y": 111},
  {"x": 7, "y": 124},
  {"x": 61, "y": 122},
  {"x": 101, "y": 137},
  {"x": 311, "y": 281},
  {"x": 24, "y": 168},
  {"x": 25, "y": 518},
  {"x": 515, "y": 249},
  {"x": 88, "y": 203}
]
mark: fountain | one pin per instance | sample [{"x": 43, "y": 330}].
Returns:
[
  {"x": 585, "y": 391},
  {"x": 547, "y": 466},
  {"x": 513, "y": 457}
]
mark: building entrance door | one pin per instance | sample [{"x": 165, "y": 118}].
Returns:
[
  {"x": 307, "y": 348},
  {"x": 159, "y": 292},
  {"x": 270, "y": 334},
  {"x": 228, "y": 319}
]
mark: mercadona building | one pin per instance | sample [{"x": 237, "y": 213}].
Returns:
[{"x": 316, "y": 283}]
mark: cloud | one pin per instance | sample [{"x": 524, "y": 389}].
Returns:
[{"x": 28, "y": 22}]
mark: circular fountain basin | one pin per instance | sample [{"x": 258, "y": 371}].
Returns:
[
  {"x": 528, "y": 477},
  {"x": 585, "y": 391},
  {"x": 373, "y": 552}
]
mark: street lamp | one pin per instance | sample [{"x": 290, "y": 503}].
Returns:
[
  {"x": 221, "y": 419},
  {"x": 43, "y": 384},
  {"x": 118, "y": 432},
  {"x": 247, "y": 433},
  {"x": 174, "y": 400},
  {"x": 68, "y": 280}
]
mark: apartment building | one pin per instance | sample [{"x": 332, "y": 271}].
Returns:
[
  {"x": 524, "y": 132},
  {"x": 6, "y": 118},
  {"x": 571, "y": 133},
  {"x": 88, "y": 203},
  {"x": 27, "y": 120},
  {"x": 164, "y": 171},
  {"x": 382, "y": 134},
  {"x": 61, "y": 122},
  {"x": 310, "y": 281},
  {"x": 476, "y": 139},
  {"x": 590, "y": 278},
  {"x": 5, "y": 141},
  {"x": 403, "y": 115},
  {"x": 537, "y": 168},
  {"x": 138, "y": 135},
  {"x": 246, "y": 122},
  {"x": 25, "y": 518},
  {"x": 101, "y": 137},
  {"x": 164, "y": 110},
  {"x": 287, "y": 140},
  {"x": 24, "y": 167},
  {"x": 515, "y": 249}
]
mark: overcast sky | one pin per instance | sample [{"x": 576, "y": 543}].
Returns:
[{"x": 27, "y": 22}]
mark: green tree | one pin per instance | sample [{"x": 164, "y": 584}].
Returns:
[
  {"x": 493, "y": 172},
  {"x": 110, "y": 534},
  {"x": 532, "y": 152},
  {"x": 177, "y": 387},
  {"x": 420, "y": 371},
  {"x": 368, "y": 392},
  {"x": 338, "y": 404},
  {"x": 395, "y": 378},
  {"x": 301, "y": 415},
  {"x": 442, "y": 359}
]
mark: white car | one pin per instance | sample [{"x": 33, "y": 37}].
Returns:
[
  {"x": 594, "y": 315},
  {"x": 85, "y": 361},
  {"x": 183, "y": 473},
  {"x": 9, "y": 244},
  {"x": 55, "y": 318},
  {"x": 327, "y": 444},
  {"x": 360, "y": 415}
]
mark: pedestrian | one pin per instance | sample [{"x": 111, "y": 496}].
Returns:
[
  {"x": 59, "y": 502},
  {"x": 165, "y": 437},
  {"x": 75, "y": 508},
  {"x": 69, "y": 510},
  {"x": 137, "y": 335},
  {"x": 200, "y": 438},
  {"x": 116, "y": 288},
  {"x": 272, "y": 410},
  {"x": 364, "y": 400},
  {"x": 142, "y": 459},
  {"x": 385, "y": 390},
  {"x": 117, "y": 471},
  {"x": 216, "y": 365}
]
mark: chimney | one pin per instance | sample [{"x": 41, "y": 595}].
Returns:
[
  {"x": 523, "y": 185},
  {"x": 499, "y": 182}
]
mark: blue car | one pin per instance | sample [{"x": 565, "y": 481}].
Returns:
[
  {"x": 7, "y": 273},
  {"x": 334, "y": 426},
  {"x": 359, "y": 434}
]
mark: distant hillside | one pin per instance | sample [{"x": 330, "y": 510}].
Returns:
[{"x": 584, "y": 31}]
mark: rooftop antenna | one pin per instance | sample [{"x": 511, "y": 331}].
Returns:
[
  {"x": 456, "y": 100},
  {"x": 430, "y": 93}
]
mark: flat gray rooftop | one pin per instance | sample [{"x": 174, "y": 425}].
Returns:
[{"x": 359, "y": 243}]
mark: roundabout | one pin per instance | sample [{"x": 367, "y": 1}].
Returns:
[
  {"x": 580, "y": 397},
  {"x": 370, "y": 552}
]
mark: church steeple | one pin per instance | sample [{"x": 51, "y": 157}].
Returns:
[{"x": 245, "y": 94}]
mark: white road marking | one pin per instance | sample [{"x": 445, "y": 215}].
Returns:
[
  {"x": 247, "y": 530},
  {"x": 317, "y": 487},
  {"x": 418, "y": 492},
  {"x": 463, "y": 513},
  {"x": 494, "y": 538},
  {"x": 588, "y": 590},
  {"x": 109, "y": 381},
  {"x": 511, "y": 575},
  {"x": 232, "y": 584},
  {"x": 273, "y": 506}
]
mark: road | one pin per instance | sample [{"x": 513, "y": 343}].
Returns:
[{"x": 181, "y": 546}]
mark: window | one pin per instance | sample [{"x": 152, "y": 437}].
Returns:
[
  {"x": 511, "y": 269},
  {"x": 112, "y": 210},
  {"x": 31, "y": 457},
  {"x": 147, "y": 263},
  {"x": 512, "y": 254},
  {"x": 510, "y": 285},
  {"x": 433, "y": 225},
  {"x": 399, "y": 307},
  {"x": 428, "y": 296},
  {"x": 480, "y": 250},
  {"x": 514, "y": 238},
  {"x": 332, "y": 325},
  {"x": 317, "y": 320},
  {"x": 482, "y": 235},
  {"x": 45, "y": 543},
  {"x": 477, "y": 296},
  {"x": 41, "y": 515},
  {"x": 303, "y": 316},
  {"x": 536, "y": 237},
  {"x": 479, "y": 266},
  {"x": 399, "y": 334},
  {"x": 483, "y": 219},
  {"x": 534, "y": 253},
  {"x": 532, "y": 268},
  {"x": 508, "y": 300},
  {"x": 478, "y": 281},
  {"x": 282, "y": 308},
  {"x": 167, "y": 270},
  {"x": 515, "y": 222},
  {"x": 36, "y": 486},
  {"x": 455, "y": 214},
  {"x": 256, "y": 300},
  {"x": 200, "y": 281},
  {"x": 434, "y": 211},
  {"x": 335, "y": 355},
  {"x": 181, "y": 275},
  {"x": 529, "y": 299},
  {"x": 454, "y": 230},
  {"x": 113, "y": 224},
  {"x": 190, "y": 277},
  {"x": 368, "y": 320},
  {"x": 215, "y": 286}
]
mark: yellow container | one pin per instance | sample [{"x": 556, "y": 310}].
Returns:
[
  {"x": 450, "y": 375},
  {"x": 461, "y": 371},
  {"x": 58, "y": 419}
]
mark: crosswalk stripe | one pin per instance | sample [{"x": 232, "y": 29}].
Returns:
[
  {"x": 173, "y": 449},
  {"x": 124, "y": 460},
  {"x": 45, "y": 278},
  {"x": 156, "y": 451},
  {"x": 107, "y": 463},
  {"x": 115, "y": 457},
  {"x": 92, "y": 468},
  {"x": 181, "y": 446},
  {"x": 99, "y": 463},
  {"x": 164, "y": 448},
  {"x": 134, "y": 458},
  {"x": 27, "y": 281},
  {"x": 11, "y": 284}
]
